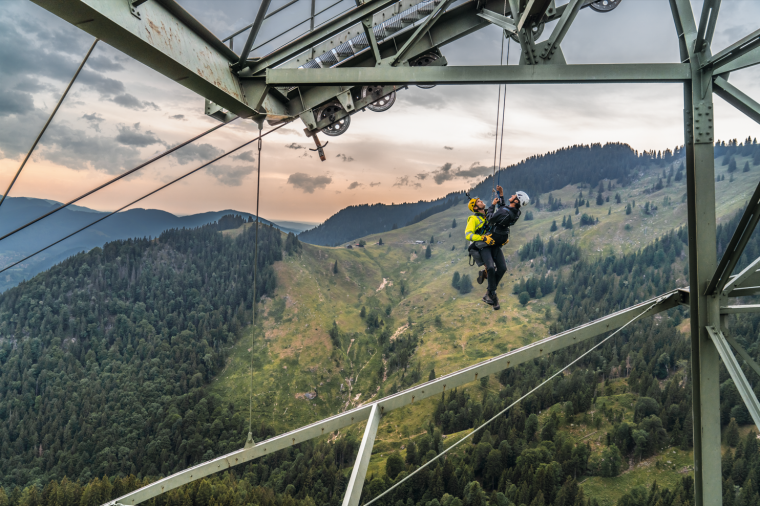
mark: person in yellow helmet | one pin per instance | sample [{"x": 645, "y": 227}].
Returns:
[{"x": 486, "y": 240}]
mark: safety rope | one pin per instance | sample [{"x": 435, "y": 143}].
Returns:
[
  {"x": 180, "y": 178},
  {"x": 503, "y": 111},
  {"x": 55, "y": 110},
  {"x": 500, "y": 413},
  {"x": 255, "y": 270}
]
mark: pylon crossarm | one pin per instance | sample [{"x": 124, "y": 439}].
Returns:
[
  {"x": 707, "y": 24},
  {"x": 743, "y": 353},
  {"x": 735, "y": 371},
  {"x": 736, "y": 245},
  {"x": 356, "y": 482},
  {"x": 415, "y": 394},
  {"x": 734, "y": 51},
  {"x": 737, "y": 98}
]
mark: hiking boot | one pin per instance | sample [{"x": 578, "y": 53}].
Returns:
[
  {"x": 495, "y": 299},
  {"x": 482, "y": 275},
  {"x": 487, "y": 299}
]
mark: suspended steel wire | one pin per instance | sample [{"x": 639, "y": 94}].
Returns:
[
  {"x": 503, "y": 111},
  {"x": 143, "y": 197},
  {"x": 500, "y": 413},
  {"x": 255, "y": 270},
  {"x": 111, "y": 181},
  {"x": 47, "y": 123}
]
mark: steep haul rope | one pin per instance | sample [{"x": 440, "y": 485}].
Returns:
[{"x": 500, "y": 413}]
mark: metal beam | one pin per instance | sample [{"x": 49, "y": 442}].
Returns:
[
  {"x": 560, "y": 30},
  {"x": 736, "y": 245},
  {"x": 700, "y": 190},
  {"x": 745, "y": 308},
  {"x": 497, "y": 19},
  {"x": 734, "y": 51},
  {"x": 737, "y": 98},
  {"x": 744, "y": 291},
  {"x": 370, "y": 34},
  {"x": 255, "y": 27},
  {"x": 736, "y": 373},
  {"x": 356, "y": 482},
  {"x": 744, "y": 278},
  {"x": 165, "y": 38},
  {"x": 706, "y": 24},
  {"x": 420, "y": 32},
  {"x": 415, "y": 394},
  {"x": 512, "y": 74},
  {"x": 746, "y": 60},
  {"x": 319, "y": 35},
  {"x": 743, "y": 353}
]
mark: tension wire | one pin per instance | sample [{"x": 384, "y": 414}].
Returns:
[
  {"x": 255, "y": 270},
  {"x": 55, "y": 110},
  {"x": 500, "y": 413}
]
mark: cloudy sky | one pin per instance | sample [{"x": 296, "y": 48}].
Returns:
[{"x": 120, "y": 113}]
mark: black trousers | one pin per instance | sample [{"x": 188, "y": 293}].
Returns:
[{"x": 496, "y": 265}]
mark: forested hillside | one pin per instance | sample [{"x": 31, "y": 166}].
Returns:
[
  {"x": 537, "y": 174},
  {"x": 103, "y": 358},
  {"x": 123, "y": 365}
]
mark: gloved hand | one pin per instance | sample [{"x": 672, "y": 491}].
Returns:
[{"x": 489, "y": 240}]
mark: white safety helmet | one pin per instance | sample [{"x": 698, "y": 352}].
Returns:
[{"x": 523, "y": 198}]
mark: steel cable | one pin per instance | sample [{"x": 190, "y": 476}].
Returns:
[
  {"x": 500, "y": 413},
  {"x": 255, "y": 270},
  {"x": 47, "y": 123},
  {"x": 503, "y": 111},
  {"x": 143, "y": 197},
  {"x": 120, "y": 176}
]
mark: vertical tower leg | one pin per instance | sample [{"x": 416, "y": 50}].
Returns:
[{"x": 700, "y": 178}]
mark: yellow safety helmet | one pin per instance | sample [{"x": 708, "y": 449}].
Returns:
[{"x": 471, "y": 205}]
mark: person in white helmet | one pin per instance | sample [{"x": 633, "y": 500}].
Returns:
[{"x": 487, "y": 252}]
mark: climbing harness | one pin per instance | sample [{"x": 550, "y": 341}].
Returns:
[
  {"x": 500, "y": 413},
  {"x": 249, "y": 442},
  {"x": 55, "y": 110}
]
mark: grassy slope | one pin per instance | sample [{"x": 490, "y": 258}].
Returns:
[{"x": 293, "y": 354}]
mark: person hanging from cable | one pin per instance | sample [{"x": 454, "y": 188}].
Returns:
[{"x": 488, "y": 230}]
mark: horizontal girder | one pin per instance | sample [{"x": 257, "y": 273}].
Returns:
[{"x": 495, "y": 74}]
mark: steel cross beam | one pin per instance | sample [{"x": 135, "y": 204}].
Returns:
[
  {"x": 736, "y": 245},
  {"x": 496, "y": 74},
  {"x": 737, "y": 98},
  {"x": 734, "y": 51},
  {"x": 736, "y": 373},
  {"x": 431, "y": 388},
  {"x": 749, "y": 276},
  {"x": 707, "y": 24}
]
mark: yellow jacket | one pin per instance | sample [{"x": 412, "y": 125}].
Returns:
[{"x": 475, "y": 224}]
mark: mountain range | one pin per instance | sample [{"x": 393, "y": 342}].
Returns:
[{"x": 17, "y": 211}]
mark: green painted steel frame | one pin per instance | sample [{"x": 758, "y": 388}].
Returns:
[{"x": 199, "y": 61}]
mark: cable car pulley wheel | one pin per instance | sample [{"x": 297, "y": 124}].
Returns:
[
  {"x": 424, "y": 61},
  {"x": 335, "y": 128},
  {"x": 383, "y": 103},
  {"x": 604, "y": 5}
]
